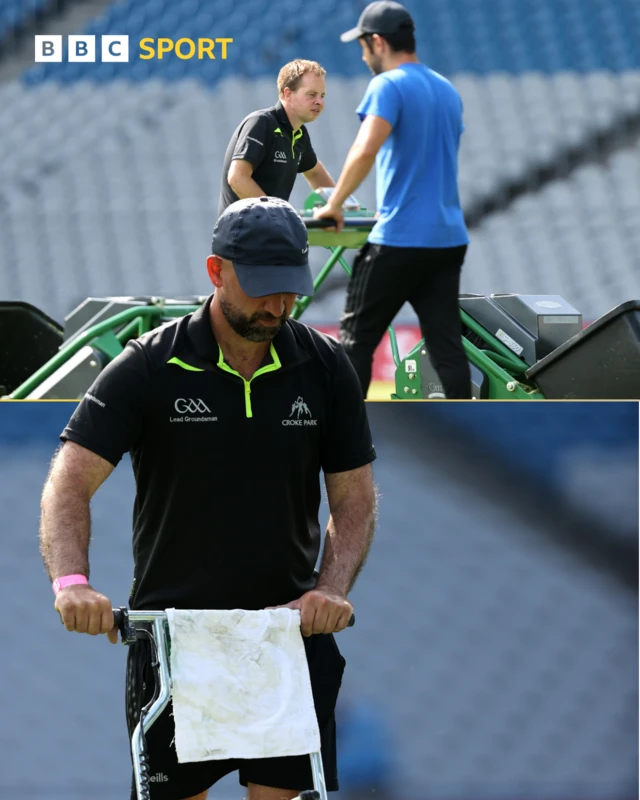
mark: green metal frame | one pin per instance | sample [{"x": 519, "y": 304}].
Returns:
[
  {"x": 504, "y": 371},
  {"x": 502, "y": 384},
  {"x": 109, "y": 336},
  {"x": 337, "y": 257}
]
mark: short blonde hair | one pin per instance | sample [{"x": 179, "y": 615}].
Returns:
[{"x": 292, "y": 73}]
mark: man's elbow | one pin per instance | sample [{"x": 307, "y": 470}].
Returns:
[
  {"x": 58, "y": 490},
  {"x": 313, "y": 175},
  {"x": 236, "y": 176},
  {"x": 363, "y": 505},
  {"x": 371, "y": 502},
  {"x": 52, "y": 486},
  {"x": 232, "y": 180},
  {"x": 46, "y": 497}
]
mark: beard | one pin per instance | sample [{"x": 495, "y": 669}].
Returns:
[{"x": 249, "y": 327}]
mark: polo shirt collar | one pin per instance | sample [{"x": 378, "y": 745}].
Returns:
[
  {"x": 282, "y": 117},
  {"x": 200, "y": 334},
  {"x": 287, "y": 345}
]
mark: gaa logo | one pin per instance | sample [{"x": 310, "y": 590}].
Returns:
[
  {"x": 281, "y": 154},
  {"x": 81, "y": 48},
  {"x": 184, "y": 405}
]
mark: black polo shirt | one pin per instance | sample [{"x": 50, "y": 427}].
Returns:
[
  {"x": 266, "y": 139},
  {"x": 227, "y": 470}
]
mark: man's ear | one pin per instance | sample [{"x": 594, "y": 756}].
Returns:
[
  {"x": 380, "y": 42},
  {"x": 214, "y": 268}
]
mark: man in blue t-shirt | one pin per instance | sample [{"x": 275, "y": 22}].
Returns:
[{"x": 411, "y": 127}]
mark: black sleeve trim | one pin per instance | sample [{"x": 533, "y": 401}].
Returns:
[
  {"x": 253, "y": 141},
  {"x": 347, "y": 466},
  {"x": 71, "y": 436}
]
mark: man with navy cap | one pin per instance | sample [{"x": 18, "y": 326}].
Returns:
[
  {"x": 229, "y": 414},
  {"x": 259, "y": 264},
  {"x": 411, "y": 128}
]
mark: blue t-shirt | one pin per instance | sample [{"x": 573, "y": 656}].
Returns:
[{"x": 417, "y": 166}]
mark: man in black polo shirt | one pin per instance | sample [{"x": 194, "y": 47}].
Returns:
[
  {"x": 271, "y": 146},
  {"x": 229, "y": 415}
]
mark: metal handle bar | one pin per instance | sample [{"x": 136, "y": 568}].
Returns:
[
  {"x": 123, "y": 616},
  {"x": 136, "y": 616}
]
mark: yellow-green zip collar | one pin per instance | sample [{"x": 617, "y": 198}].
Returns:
[
  {"x": 247, "y": 383},
  {"x": 294, "y": 139},
  {"x": 182, "y": 364}
]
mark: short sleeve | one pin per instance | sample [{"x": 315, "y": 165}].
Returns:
[
  {"x": 381, "y": 99},
  {"x": 309, "y": 158},
  {"x": 253, "y": 141},
  {"x": 109, "y": 419},
  {"x": 347, "y": 442}
]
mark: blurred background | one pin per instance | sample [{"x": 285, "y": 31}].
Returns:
[
  {"x": 495, "y": 655},
  {"x": 110, "y": 172}
]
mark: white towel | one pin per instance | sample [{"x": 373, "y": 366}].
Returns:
[{"x": 241, "y": 686}]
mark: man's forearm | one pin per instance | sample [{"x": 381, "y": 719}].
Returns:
[
  {"x": 244, "y": 186},
  {"x": 347, "y": 542},
  {"x": 355, "y": 170},
  {"x": 65, "y": 528},
  {"x": 319, "y": 178}
]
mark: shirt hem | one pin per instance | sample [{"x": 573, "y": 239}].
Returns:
[{"x": 350, "y": 465}]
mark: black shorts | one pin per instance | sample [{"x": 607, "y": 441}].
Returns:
[{"x": 173, "y": 781}]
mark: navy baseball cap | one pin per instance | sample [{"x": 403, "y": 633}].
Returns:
[
  {"x": 383, "y": 16},
  {"x": 267, "y": 242}
]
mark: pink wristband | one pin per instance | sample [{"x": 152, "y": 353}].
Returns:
[{"x": 67, "y": 580}]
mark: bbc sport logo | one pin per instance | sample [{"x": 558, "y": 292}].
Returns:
[
  {"x": 114, "y": 47},
  {"x": 81, "y": 48}
]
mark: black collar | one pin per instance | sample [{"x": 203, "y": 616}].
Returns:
[
  {"x": 287, "y": 343},
  {"x": 281, "y": 116},
  {"x": 200, "y": 334}
]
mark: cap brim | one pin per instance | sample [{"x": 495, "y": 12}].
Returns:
[
  {"x": 260, "y": 281},
  {"x": 351, "y": 36}
]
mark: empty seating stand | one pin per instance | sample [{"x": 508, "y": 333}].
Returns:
[
  {"x": 99, "y": 158},
  {"x": 17, "y": 17}
]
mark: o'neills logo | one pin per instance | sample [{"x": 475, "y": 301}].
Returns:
[{"x": 302, "y": 418}]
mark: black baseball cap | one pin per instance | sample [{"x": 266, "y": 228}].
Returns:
[
  {"x": 267, "y": 242},
  {"x": 383, "y": 16}
]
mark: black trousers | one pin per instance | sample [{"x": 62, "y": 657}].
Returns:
[{"x": 383, "y": 279}]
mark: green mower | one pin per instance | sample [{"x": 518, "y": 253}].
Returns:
[{"x": 520, "y": 347}]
